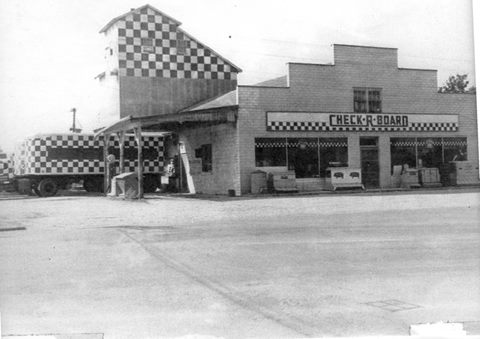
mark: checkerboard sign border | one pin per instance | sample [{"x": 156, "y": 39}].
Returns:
[
  {"x": 433, "y": 127},
  {"x": 33, "y": 157},
  {"x": 287, "y": 142},
  {"x": 323, "y": 127},
  {"x": 148, "y": 46}
]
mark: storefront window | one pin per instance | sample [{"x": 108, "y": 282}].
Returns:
[
  {"x": 308, "y": 157},
  {"x": 333, "y": 153},
  {"x": 402, "y": 152},
  {"x": 270, "y": 152},
  {"x": 302, "y": 155},
  {"x": 427, "y": 152},
  {"x": 455, "y": 149}
]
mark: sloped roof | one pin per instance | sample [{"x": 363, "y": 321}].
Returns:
[
  {"x": 136, "y": 11},
  {"x": 276, "y": 82},
  {"x": 228, "y": 99},
  {"x": 237, "y": 69}
]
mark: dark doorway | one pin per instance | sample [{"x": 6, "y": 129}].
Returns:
[
  {"x": 302, "y": 157},
  {"x": 370, "y": 164}
]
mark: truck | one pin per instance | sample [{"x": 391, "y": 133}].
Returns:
[
  {"x": 45, "y": 163},
  {"x": 5, "y": 172}
]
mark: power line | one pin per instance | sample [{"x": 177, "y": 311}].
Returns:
[{"x": 303, "y": 43}]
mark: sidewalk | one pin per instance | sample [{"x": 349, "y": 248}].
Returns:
[
  {"x": 248, "y": 196},
  {"x": 369, "y": 192}
]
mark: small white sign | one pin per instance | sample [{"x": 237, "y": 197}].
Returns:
[{"x": 182, "y": 148}]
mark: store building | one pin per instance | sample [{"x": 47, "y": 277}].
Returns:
[{"x": 362, "y": 111}]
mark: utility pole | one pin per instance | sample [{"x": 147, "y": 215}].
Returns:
[
  {"x": 73, "y": 129},
  {"x": 73, "y": 110}
]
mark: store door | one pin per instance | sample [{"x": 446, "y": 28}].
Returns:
[
  {"x": 370, "y": 164},
  {"x": 303, "y": 157}
]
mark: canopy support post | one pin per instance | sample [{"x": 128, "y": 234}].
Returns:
[
  {"x": 121, "y": 141},
  {"x": 138, "y": 138},
  {"x": 106, "y": 167}
]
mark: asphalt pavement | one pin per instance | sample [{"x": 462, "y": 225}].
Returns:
[{"x": 280, "y": 266}]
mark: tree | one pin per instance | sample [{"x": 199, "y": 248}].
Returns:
[{"x": 457, "y": 84}]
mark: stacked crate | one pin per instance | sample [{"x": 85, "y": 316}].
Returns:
[
  {"x": 430, "y": 176},
  {"x": 465, "y": 172}
]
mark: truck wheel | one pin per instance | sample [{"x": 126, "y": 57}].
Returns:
[
  {"x": 35, "y": 189},
  {"x": 90, "y": 185},
  {"x": 47, "y": 188},
  {"x": 94, "y": 184}
]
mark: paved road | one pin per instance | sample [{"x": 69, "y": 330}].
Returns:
[{"x": 337, "y": 265}]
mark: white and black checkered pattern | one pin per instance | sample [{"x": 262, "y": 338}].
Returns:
[
  {"x": 340, "y": 142},
  {"x": 319, "y": 142},
  {"x": 421, "y": 142},
  {"x": 411, "y": 142},
  {"x": 32, "y": 157},
  {"x": 296, "y": 126},
  {"x": 455, "y": 142},
  {"x": 163, "y": 57},
  {"x": 432, "y": 127},
  {"x": 311, "y": 144},
  {"x": 4, "y": 169},
  {"x": 5, "y": 166},
  {"x": 323, "y": 127},
  {"x": 269, "y": 144}
]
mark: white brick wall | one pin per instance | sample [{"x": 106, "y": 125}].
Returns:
[
  {"x": 225, "y": 174},
  {"x": 362, "y": 55}
]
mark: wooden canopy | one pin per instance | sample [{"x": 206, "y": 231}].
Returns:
[{"x": 164, "y": 122}]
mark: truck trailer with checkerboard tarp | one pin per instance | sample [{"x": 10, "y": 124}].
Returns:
[
  {"x": 6, "y": 172},
  {"x": 49, "y": 162}
]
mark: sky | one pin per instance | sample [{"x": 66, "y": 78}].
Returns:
[{"x": 51, "y": 50}]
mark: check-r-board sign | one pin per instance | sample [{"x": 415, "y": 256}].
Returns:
[
  {"x": 374, "y": 120},
  {"x": 351, "y": 122}
]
